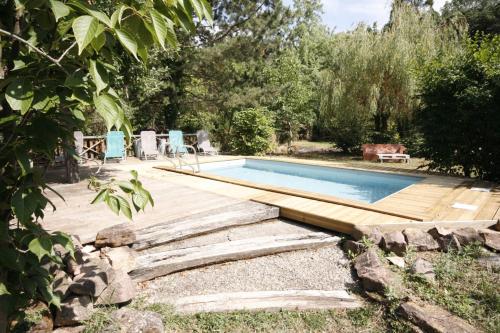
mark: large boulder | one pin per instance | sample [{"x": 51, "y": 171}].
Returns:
[
  {"x": 93, "y": 279},
  {"x": 353, "y": 247},
  {"x": 120, "y": 289},
  {"x": 373, "y": 234},
  {"x": 468, "y": 236},
  {"x": 133, "y": 321},
  {"x": 438, "y": 232},
  {"x": 394, "y": 242},
  {"x": 116, "y": 236},
  {"x": 61, "y": 284},
  {"x": 424, "y": 268},
  {"x": 397, "y": 261},
  {"x": 374, "y": 274},
  {"x": 122, "y": 257},
  {"x": 420, "y": 240},
  {"x": 431, "y": 318},
  {"x": 74, "y": 310},
  {"x": 491, "y": 239}
]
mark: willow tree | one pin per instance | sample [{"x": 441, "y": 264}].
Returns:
[{"x": 369, "y": 91}]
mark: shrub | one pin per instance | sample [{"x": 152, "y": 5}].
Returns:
[
  {"x": 459, "y": 117},
  {"x": 252, "y": 132}
]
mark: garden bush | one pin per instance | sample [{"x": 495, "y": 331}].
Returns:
[
  {"x": 459, "y": 117},
  {"x": 252, "y": 132}
]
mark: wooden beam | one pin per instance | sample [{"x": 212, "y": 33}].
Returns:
[
  {"x": 210, "y": 221},
  {"x": 152, "y": 265},
  {"x": 268, "y": 301}
]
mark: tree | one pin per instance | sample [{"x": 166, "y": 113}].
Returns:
[
  {"x": 481, "y": 15},
  {"x": 252, "y": 132},
  {"x": 459, "y": 116},
  {"x": 56, "y": 64},
  {"x": 378, "y": 104}
]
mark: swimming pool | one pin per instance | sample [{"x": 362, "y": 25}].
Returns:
[{"x": 364, "y": 186}]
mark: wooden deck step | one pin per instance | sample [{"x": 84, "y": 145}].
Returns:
[
  {"x": 239, "y": 214},
  {"x": 268, "y": 301},
  {"x": 152, "y": 265}
]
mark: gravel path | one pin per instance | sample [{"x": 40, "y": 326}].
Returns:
[{"x": 325, "y": 268}]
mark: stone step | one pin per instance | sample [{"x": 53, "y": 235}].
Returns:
[
  {"x": 238, "y": 214},
  {"x": 267, "y": 301},
  {"x": 152, "y": 265}
]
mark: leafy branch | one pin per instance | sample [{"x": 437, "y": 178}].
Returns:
[{"x": 133, "y": 190}]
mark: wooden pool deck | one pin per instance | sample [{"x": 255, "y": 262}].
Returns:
[
  {"x": 179, "y": 194},
  {"x": 420, "y": 205}
]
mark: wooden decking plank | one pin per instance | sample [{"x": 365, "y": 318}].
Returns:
[
  {"x": 267, "y": 301},
  {"x": 209, "y": 221},
  {"x": 153, "y": 265}
]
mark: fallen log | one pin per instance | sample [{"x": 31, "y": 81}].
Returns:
[
  {"x": 150, "y": 266},
  {"x": 268, "y": 301}
]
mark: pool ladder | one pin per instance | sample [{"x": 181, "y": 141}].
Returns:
[{"x": 183, "y": 162}]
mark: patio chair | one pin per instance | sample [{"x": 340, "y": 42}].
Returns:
[
  {"x": 148, "y": 144},
  {"x": 176, "y": 143},
  {"x": 204, "y": 145},
  {"x": 178, "y": 148},
  {"x": 115, "y": 145}
]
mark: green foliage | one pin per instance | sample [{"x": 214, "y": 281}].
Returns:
[
  {"x": 56, "y": 64},
  {"x": 459, "y": 117},
  {"x": 481, "y": 15},
  {"x": 132, "y": 189},
  {"x": 463, "y": 287},
  {"x": 252, "y": 132},
  {"x": 370, "y": 86}
]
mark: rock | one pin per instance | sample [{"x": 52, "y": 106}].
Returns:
[
  {"x": 133, "y": 321},
  {"x": 115, "y": 236},
  {"x": 74, "y": 310},
  {"x": 420, "y": 240},
  {"x": 70, "y": 329},
  {"x": 449, "y": 242},
  {"x": 120, "y": 289},
  {"x": 120, "y": 257},
  {"x": 491, "y": 262},
  {"x": 491, "y": 239},
  {"x": 93, "y": 279},
  {"x": 397, "y": 261},
  {"x": 353, "y": 247},
  {"x": 438, "y": 232},
  {"x": 424, "y": 268},
  {"x": 61, "y": 284},
  {"x": 88, "y": 249},
  {"x": 394, "y": 242},
  {"x": 468, "y": 236},
  {"x": 74, "y": 265},
  {"x": 77, "y": 243},
  {"x": 431, "y": 318},
  {"x": 42, "y": 324},
  {"x": 374, "y": 274},
  {"x": 373, "y": 234}
]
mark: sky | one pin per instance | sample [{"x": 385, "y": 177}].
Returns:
[{"x": 345, "y": 14}]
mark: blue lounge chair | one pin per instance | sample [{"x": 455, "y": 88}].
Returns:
[
  {"x": 115, "y": 145},
  {"x": 176, "y": 143}
]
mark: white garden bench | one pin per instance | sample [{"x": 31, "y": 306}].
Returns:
[{"x": 389, "y": 157}]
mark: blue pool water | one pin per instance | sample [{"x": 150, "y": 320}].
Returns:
[{"x": 343, "y": 183}]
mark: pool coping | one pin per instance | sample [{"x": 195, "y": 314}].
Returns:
[{"x": 297, "y": 193}]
